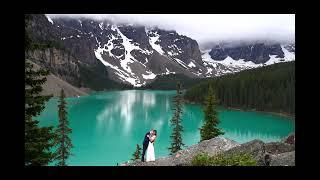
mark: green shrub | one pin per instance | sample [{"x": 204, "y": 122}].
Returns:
[{"x": 241, "y": 159}]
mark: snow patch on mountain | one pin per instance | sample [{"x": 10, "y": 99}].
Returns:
[
  {"x": 64, "y": 38},
  {"x": 191, "y": 64},
  {"x": 98, "y": 52},
  {"x": 181, "y": 63},
  {"x": 49, "y": 19},
  {"x": 153, "y": 40},
  {"x": 124, "y": 71},
  {"x": 230, "y": 65},
  {"x": 149, "y": 76},
  {"x": 128, "y": 46},
  {"x": 288, "y": 56},
  {"x": 101, "y": 26}
]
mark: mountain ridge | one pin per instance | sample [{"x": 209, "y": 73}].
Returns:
[{"x": 135, "y": 55}]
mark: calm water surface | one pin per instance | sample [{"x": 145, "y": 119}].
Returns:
[{"x": 108, "y": 125}]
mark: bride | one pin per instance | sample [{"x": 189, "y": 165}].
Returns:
[{"x": 150, "y": 150}]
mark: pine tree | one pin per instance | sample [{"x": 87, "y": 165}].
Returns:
[
  {"x": 209, "y": 129},
  {"x": 38, "y": 140},
  {"x": 137, "y": 154},
  {"x": 63, "y": 131},
  {"x": 177, "y": 130}
]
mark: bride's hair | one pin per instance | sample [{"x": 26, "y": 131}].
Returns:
[{"x": 155, "y": 132}]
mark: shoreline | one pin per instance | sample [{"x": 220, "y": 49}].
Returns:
[{"x": 283, "y": 114}]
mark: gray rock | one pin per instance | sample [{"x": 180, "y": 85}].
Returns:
[
  {"x": 283, "y": 159},
  {"x": 255, "y": 148},
  {"x": 184, "y": 157},
  {"x": 278, "y": 147},
  {"x": 267, "y": 154}
]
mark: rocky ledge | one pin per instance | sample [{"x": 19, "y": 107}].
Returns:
[{"x": 267, "y": 154}]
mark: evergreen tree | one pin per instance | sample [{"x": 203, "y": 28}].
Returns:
[
  {"x": 137, "y": 154},
  {"x": 38, "y": 140},
  {"x": 269, "y": 88},
  {"x": 209, "y": 129},
  {"x": 176, "y": 136},
  {"x": 63, "y": 131}
]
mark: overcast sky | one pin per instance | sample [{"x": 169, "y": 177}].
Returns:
[{"x": 211, "y": 27}]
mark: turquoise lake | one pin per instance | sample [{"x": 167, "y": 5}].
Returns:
[{"x": 107, "y": 125}]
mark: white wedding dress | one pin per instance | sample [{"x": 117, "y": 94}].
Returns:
[{"x": 150, "y": 153}]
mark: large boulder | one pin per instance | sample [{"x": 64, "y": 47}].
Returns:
[
  {"x": 255, "y": 148},
  {"x": 278, "y": 147},
  {"x": 283, "y": 159}
]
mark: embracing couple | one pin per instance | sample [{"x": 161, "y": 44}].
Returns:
[{"x": 148, "y": 148}]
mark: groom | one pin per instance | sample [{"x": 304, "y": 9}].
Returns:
[{"x": 146, "y": 142}]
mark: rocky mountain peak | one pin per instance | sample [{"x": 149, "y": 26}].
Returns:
[{"x": 136, "y": 55}]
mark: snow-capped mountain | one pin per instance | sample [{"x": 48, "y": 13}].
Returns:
[
  {"x": 241, "y": 57},
  {"x": 136, "y": 55}
]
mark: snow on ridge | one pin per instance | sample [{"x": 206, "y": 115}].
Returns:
[
  {"x": 197, "y": 74},
  {"x": 124, "y": 71},
  {"x": 228, "y": 61},
  {"x": 101, "y": 25},
  {"x": 209, "y": 70},
  {"x": 171, "y": 53},
  {"x": 180, "y": 62},
  {"x": 149, "y": 76},
  {"x": 191, "y": 64},
  {"x": 153, "y": 40},
  {"x": 80, "y": 22},
  {"x": 167, "y": 72},
  {"x": 64, "y": 38},
  {"x": 229, "y": 65},
  {"x": 121, "y": 74},
  {"x": 113, "y": 27},
  {"x": 49, "y": 19},
  {"x": 288, "y": 56},
  {"x": 97, "y": 41},
  {"x": 128, "y": 48}
]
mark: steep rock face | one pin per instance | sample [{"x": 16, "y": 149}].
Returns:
[
  {"x": 256, "y": 53},
  {"x": 181, "y": 49},
  {"x": 59, "y": 62},
  {"x": 54, "y": 84},
  {"x": 218, "y": 53}
]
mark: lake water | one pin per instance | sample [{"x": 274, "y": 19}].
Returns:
[{"x": 108, "y": 125}]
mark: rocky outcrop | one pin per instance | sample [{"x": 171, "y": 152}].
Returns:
[
  {"x": 266, "y": 154},
  {"x": 183, "y": 157},
  {"x": 283, "y": 159}
]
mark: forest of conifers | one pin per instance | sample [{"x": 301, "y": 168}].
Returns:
[{"x": 269, "y": 88}]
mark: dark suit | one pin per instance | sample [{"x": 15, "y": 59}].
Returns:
[{"x": 145, "y": 145}]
